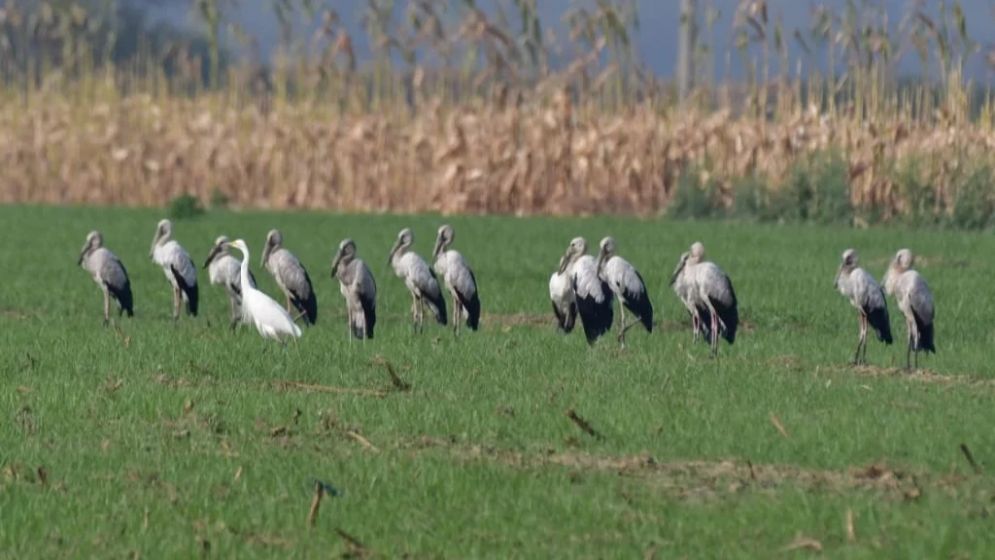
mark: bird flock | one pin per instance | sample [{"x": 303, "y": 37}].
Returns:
[{"x": 582, "y": 286}]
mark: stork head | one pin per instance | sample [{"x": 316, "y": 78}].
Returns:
[
  {"x": 93, "y": 242},
  {"x": 903, "y": 260},
  {"x": 577, "y": 247},
  {"x": 680, "y": 267},
  {"x": 274, "y": 240},
  {"x": 163, "y": 231},
  {"x": 443, "y": 240},
  {"x": 697, "y": 252},
  {"x": 847, "y": 263},
  {"x": 404, "y": 240},
  {"x": 344, "y": 256},
  {"x": 220, "y": 248},
  {"x": 607, "y": 251}
]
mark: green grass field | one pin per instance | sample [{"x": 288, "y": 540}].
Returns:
[{"x": 158, "y": 439}]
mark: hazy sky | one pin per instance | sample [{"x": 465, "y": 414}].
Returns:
[{"x": 658, "y": 23}]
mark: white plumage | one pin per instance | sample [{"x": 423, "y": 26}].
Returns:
[
  {"x": 418, "y": 278},
  {"x": 225, "y": 270},
  {"x": 459, "y": 279},
  {"x": 592, "y": 294},
  {"x": 358, "y": 288},
  {"x": 708, "y": 294},
  {"x": 177, "y": 266},
  {"x": 627, "y": 284},
  {"x": 682, "y": 285},
  {"x": 108, "y": 272},
  {"x": 915, "y": 301},
  {"x": 864, "y": 294},
  {"x": 561, "y": 294},
  {"x": 269, "y": 317}
]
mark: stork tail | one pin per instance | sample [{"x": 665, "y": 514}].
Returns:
[
  {"x": 878, "y": 318},
  {"x": 189, "y": 291},
  {"x": 925, "y": 334}
]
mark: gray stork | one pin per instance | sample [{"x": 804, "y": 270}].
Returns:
[
  {"x": 915, "y": 301},
  {"x": 108, "y": 273},
  {"x": 177, "y": 266},
  {"x": 456, "y": 273},
  {"x": 418, "y": 278},
  {"x": 561, "y": 293},
  {"x": 627, "y": 284},
  {"x": 292, "y": 278},
  {"x": 223, "y": 269},
  {"x": 859, "y": 287},
  {"x": 701, "y": 319},
  {"x": 712, "y": 296},
  {"x": 593, "y": 295},
  {"x": 358, "y": 288}
]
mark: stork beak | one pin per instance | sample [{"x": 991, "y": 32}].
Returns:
[
  {"x": 335, "y": 263},
  {"x": 836, "y": 281},
  {"x": 602, "y": 257},
  {"x": 564, "y": 261},
  {"x": 215, "y": 251},
  {"x": 390, "y": 257},
  {"x": 267, "y": 251},
  {"x": 677, "y": 272},
  {"x": 155, "y": 239},
  {"x": 438, "y": 247},
  {"x": 82, "y": 254}
]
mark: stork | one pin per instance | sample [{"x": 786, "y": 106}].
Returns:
[
  {"x": 358, "y": 288},
  {"x": 109, "y": 273},
  {"x": 292, "y": 278},
  {"x": 459, "y": 278},
  {"x": 915, "y": 301},
  {"x": 418, "y": 278},
  {"x": 593, "y": 295},
  {"x": 712, "y": 296},
  {"x": 627, "y": 284},
  {"x": 561, "y": 294},
  {"x": 225, "y": 270},
  {"x": 701, "y": 319},
  {"x": 864, "y": 293},
  {"x": 177, "y": 266}
]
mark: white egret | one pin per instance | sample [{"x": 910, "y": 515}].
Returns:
[{"x": 269, "y": 317}]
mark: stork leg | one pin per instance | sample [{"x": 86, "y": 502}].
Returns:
[
  {"x": 457, "y": 314},
  {"x": 414, "y": 312},
  {"x": 621, "y": 324},
  {"x": 290, "y": 308},
  {"x": 861, "y": 342},
  {"x": 177, "y": 301},
  {"x": 695, "y": 326},
  {"x": 107, "y": 306},
  {"x": 715, "y": 328},
  {"x": 234, "y": 313}
]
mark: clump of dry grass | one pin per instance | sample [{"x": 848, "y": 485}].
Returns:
[{"x": 541, "y": 158}]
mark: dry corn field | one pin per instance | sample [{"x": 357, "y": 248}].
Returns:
[{"x": 544, "y": 158}]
